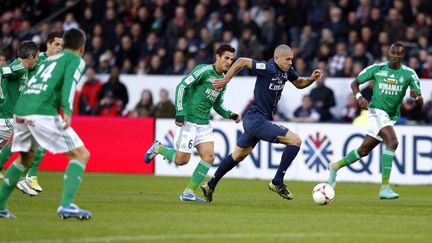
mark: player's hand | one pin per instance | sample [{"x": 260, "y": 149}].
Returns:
[
  {"x": 363, "y": 103},
  {"x": 413, "y": 94},
  {"x": 180, "y": 120},
  {"x": 237, "y": 118},
  {"x": 67, "y": 120},
  {"x": 219, "y": 83},
  {"x": 316, "y": 74}
]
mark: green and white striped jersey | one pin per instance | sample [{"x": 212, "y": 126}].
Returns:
[
  {"x": 53, "y": 86},
  {"x": 13, "y": 80},
  {"x": 389, "y": 86},
  {"x": 195, "y": 95}
]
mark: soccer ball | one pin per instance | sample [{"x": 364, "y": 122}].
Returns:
[{"x": 323, "y": 193}]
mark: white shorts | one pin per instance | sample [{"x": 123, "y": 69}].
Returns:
[
  {"x": 45, "y": 131},
  {"x": 190, "y": 135},
  {"x": 6, "y": 129},
  {"x": 377, "y": 119}
]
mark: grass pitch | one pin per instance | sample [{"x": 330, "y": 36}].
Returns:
[{"x": 138, "y": 208}]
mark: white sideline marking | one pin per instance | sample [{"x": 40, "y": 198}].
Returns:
[{"x": 217, "y": 236}]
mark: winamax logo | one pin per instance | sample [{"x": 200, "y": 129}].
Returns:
[{"x": 317, "y": 152}]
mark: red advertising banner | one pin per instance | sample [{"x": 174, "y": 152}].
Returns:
[{"x": 115, "y": 144}]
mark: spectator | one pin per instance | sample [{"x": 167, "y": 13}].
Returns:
[
  {"x": 336, "y": 63},
  {"x": 89, "y": 93},
  {"x": 412, "y": 113},
  {"x": 3, "y": 59},
  {"x": 155, "y": 66},
  {"x": 165, "y": 108},
  {"x": 69, "y": 22},
  {"x": 177, "y": 25},
  {"x": 109, "y": 106},
  {"x": 306, "y": 112},
  {"x": 395, "y": 26},
  {"x": 323, "y": 99},
  {"x": 144, "y": 107},
  {"x": 215, "y": 25},
  {"x": 114, "y": 89},
  {"x": 351, "y": 109},
  {"x": 179, "y": 66}
]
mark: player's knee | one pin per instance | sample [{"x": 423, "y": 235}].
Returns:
[
  {"x": 362, "y": 152},
  {"x": 393, "y": 144},
  {"x": 209, "y": 158},
  {"x": 297, "y": 141},
  {"x": 181, "y": 162}
]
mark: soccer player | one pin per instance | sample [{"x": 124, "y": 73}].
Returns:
[
  {"x": 29, "y": 184},
  {"x": 391, "y": 80},
  {"x": 257, "y": 122},
  {"x": 37, "y": 123},
  {"x": 13, "y": 79},
  {"x": 195, "y": 96}
]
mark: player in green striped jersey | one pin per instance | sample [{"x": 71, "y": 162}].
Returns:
[
  {"x": 391, "y": 81},
  {"x": 54, "y": 45},
  {"x": 13, "y": 79},
  {"x": 38, "y": 123},
  {"x": 195, "y": 97}
]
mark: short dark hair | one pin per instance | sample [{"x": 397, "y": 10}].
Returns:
[
  {"x": 27, "y": 49},
  {"x": 74, "y": 39},
  {"x": 53, "y": 35},
  {"x": 224, "y": 48},
  {"x": 398, "y": 44}
]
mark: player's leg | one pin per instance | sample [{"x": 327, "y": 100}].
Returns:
[
  {"x": 200, "y": 137},
  {"x": 31, "y": 176},
  {"x": 226, "y": 165},
  {"x": 2, "y": 143},
  {"x": 49, "y": 133},
  {"x": 6, "y": 128},
  {"x": 78, "y": 159},
  {"x": 354, "y": 155},
  {"x": 276, "y": 133},
  {"x": 184, "y": 139},
  {"x": 11, "y": 178},
  {"x": 389, "y": 136},
  {"x": 206, "y": 152}
]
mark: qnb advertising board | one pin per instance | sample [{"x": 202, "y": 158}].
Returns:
[{"x": 322, "y": 144}]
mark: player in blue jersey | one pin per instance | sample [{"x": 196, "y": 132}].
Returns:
[{"x": 257, "y": 122}]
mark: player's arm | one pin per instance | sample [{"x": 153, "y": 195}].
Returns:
[
  {"x": 232, "y": 71},
  {"x": 415, "y": 91},
  {"x": 302, "y": 83},
  {"x": 180, "y": 95},
  {"x": 221, "y": 110},
  {"x": 12, "y": 72},
  {"x": 74, "y": 71},
  {"x": 364, "y": 76}
]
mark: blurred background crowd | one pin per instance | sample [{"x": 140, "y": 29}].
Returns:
[{"x": 163, "y": 37}]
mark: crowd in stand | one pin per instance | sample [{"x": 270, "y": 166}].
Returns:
[{"x": 171, "y": 37}]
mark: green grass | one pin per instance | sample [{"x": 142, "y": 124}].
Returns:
[{"x": 138, "y": 208}]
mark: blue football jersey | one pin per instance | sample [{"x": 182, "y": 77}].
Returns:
[{"x": 269, "y": 86}]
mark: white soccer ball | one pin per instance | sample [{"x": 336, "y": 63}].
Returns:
[{"x": 323, "y": 193}]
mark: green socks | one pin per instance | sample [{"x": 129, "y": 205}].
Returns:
[
  {"x": 198, "y": 177},
  {"x": 72, "y": 180},
  {"x": 168, "y": 153},
  {"x": 5, "y": 154},
  {"x": 350, "y": 158},
  {"x": 36, "y": 162},
  {"x": 11, "y": 178},
  {"x": 386, "y": 165}
]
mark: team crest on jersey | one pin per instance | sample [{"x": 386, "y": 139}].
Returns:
[{"x": 401, "y": 79}]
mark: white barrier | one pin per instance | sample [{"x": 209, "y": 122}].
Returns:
[
  {"x": 322, "y": 143},
  {"x": 240, "y": 91}
]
